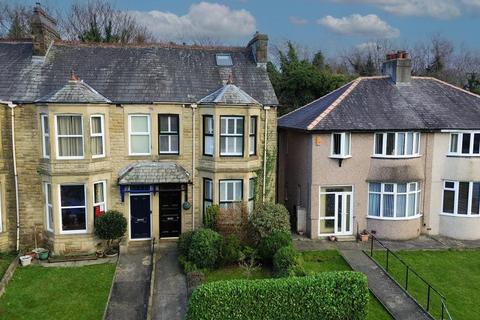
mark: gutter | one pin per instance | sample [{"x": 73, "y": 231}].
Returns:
[
  {"x": 266, "y": 108},
  {"x": 15, "y": 173}
]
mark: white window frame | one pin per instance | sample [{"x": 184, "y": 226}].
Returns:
[
  {"x": 456, "y": 190},
  {"x": 395, "y": 194},
  {"x": 252, "y": 136},
  {"x": 345, "y": 152},
  {"x": 208, "y": 201},
  {"x": 235, "y": 136},
  {"x": 458, "y": 151},
  {"x": 104, "y": 203},
  {"x": 235, "y": 183},
  {"x": 251, "y": 195},
  {"x": 45, "y": 137},
  {"x": 130, "y": 134},
  {"x": 169, "y": 133},
  {"x": 206, "y": 119},
  {"x": 82, "y": 231},
  {"x": 48, "y": 206},
  {"x": 415, "y": 145},
  {"x": 57, "y": 137},
  {"x": 96, "y": 135}
]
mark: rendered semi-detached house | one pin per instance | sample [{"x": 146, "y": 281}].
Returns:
[
  {"x": 158, "y": 132},
  {"x": 395, "y": 154}
]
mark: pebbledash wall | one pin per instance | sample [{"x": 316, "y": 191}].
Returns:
[
  {"x": 34, "y": 171},
  {"x": 299, "y": 184}
]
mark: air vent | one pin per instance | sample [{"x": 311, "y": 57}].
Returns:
[{"x": 224, "y": 60}]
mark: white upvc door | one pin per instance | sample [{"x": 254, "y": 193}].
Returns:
[{"x": 336, "y": 211}]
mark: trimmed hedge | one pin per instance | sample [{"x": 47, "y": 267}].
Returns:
[
  {"x": 268, "y": 218},
  {"x": 329, "y": 295},
  {"x": 204, "y": 250},
  {"x": 270, "y": 244}
]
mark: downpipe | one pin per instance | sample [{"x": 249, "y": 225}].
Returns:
[
  {"x": 265, "y": 155},
  {"x": 194, "y": 107}
]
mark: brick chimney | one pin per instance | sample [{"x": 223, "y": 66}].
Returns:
[
  {"x": 259, "y": 47},
  {"x": 398, "y": 66},
  {"x": 44, "y": 30}
]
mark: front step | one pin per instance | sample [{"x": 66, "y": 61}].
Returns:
[{"x": 346, "y": 238}]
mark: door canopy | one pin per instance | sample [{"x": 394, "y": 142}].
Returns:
[{"x": 152, "y": 173}]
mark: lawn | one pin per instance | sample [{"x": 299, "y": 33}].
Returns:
[
  {"x": 315, "y": 261},
  {"x": 57, "y": 293},
  {"x": 456, "y": 274},
  {"x": 5, "y": 260}
]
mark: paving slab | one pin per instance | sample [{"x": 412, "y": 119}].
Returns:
[{"x": 130, "y": 291}]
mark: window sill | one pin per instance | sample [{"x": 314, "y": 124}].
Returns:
[
  {"x": 72, "y": 233},
  {"x": 450, "y": 155},
  {"x": 339, "y": 157},
  {"x": 395, "y": 219},
  {"x": 395, "y": 157},
  {"x": 70, "y": 158},
  {"x": 460, "y": 215}
]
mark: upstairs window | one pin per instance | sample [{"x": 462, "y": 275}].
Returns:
[
  {"x": 168, "y": 137},
  {"x": 224, "y": 60},
  {"x": 97, "y": 136},
  {"x": 465, "y": 143},
  {"x": 397, "y": 144},
  {"x": 231, "y": 136},
  {"x": 45, "y": 136},
  {"x": 253, "y": 136},
  {"x": 341, "y": 145},
  {"x": 139, "y": 133},
  {"x": 208, "y": 139},
  {"x": 69, "y": 137},
  {"x": 231, "y": 193}
]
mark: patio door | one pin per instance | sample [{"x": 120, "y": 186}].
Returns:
[{"x": 336, "y": 211}]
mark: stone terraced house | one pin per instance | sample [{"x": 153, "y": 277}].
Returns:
[
  {"x": 394, "y": 154},
  {"x": 158, "y": 132}
]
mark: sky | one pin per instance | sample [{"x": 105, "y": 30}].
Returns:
[{"x": 329, "y": 25}]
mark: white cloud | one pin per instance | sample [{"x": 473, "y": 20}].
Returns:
[
  {"x": 297, "y": 20},
  {"x": 357, "y": 25},
  {"x": 472, "y": 3},
  {"x": 203, "y": 20},
  {"x": 444, "y": 9},
  {"x": 367, "y": 46}
]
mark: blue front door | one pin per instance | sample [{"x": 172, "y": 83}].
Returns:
[{"x": 140, "y": 224}]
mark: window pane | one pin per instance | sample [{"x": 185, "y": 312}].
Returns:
[
  {"x": 347, "y": 144},
  {"x": 375, "y": 187},
  {"x": 475, "y": 198},
  {"x": 231, "y": 126},
  {"x": 378, "y": 143},
  {"x": 238, "y": 191},
  {"x": 164, "y": 124},
  {"x": 251, "y": 188},
  {"x": 96, "y": 125},
  {"x": 449, "y": 184},
  {"x": 402, "y": 205},
  {"x": 174, "y": 124},
  {"x": 238, "y": 145},
  {"x": 453, "y": 142},
  {"x": 72, "y": 196},
  {"x": 417, "y": 143},
  {"x": 337, "y": 147},
  {"x": 223, "y": 145},
  {"x": 69, "y": 125},
  {"x": 73, "y": 219},
  {"x": 476, "y": 143},
  {"x": 230, "y": 187},
  {"x": 466, "y": 143},
  {"x": 401, "y": 144},
  {"x": 410, "y": 143},
  {"x": 463, "y": 197},
  {"x": 46, "y": 142},
  {"x": 390, "y": 143},
  {"x": 174, "y": 143},
  {"x": 208, "y": 125},
  {"x": 223, "y": 125},
  {"x": 209, "y": 145},
  {"x": 252, "y": 145},
  {"x": 411, "y": 204},
  {"x": 401, "y": 187},
  {"x": 140, "y": 144},
  {"x": 70, "y": 147},
  {"x": 253, "y": 125},
  {"x": 97, "y": 146},
  {"x": 45, "y": 125},
  {"x": 448, "y": 201},
  {"x": 164, "y": 144},
  {"x": 388, "y": 187},
  {"x": 388, "y": 205},
  {"x": 239, "y": 126},
  {"x": 374, "y": 205},
  {"x": 49, "y": 193},
  {"x": 98, "y": 193},
  {"x": 139, "y": 124}
]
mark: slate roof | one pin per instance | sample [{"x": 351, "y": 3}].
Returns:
[
  {"x": 376, "y": 103},
  {"x": 75, "y": 91},
  {"x": 153, "y": 173},
  {"x": 130, "y": 74},
  {"x": 229, "y": 94}
]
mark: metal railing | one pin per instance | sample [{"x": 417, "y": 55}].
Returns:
[{"x": 431, "y": 292}]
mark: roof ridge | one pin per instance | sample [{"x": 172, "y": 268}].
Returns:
[
  {"x": 334, "y": 104},
  {"x": 312, "y": 102},
  {"x": 448, "y": 84}
]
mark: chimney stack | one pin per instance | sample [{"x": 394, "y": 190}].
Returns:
[
  {"x": 259, "y": 47},
  {"x": 44, "y": 30},
  {"x": 398, "y": 66}
]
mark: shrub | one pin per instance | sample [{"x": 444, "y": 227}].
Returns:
[
  {"x": 187, "y": 265},
  {"x": 110, "y": 226},
  {"x": 270, "y": 217},
  {"x": 230, "y": 252},
  {"x": 270, "y": 244},
  {"x": 329, "y": 295},
  {"x": 184, "y": 242},
  {"x": 211, "y": 216},
  {"x": 204, "y": 249},
  {"x": 288, "y": 262}
]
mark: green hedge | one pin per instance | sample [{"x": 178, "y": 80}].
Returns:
[{"x": 329, "y": 295}]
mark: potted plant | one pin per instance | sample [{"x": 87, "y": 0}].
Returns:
[
  {"x": 364, "y": 235},
  {"x": 110, "y": 226}
]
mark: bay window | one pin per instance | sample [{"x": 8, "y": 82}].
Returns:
[
  {"x": 231, "y": 193},
  {"x": 251, "y": 195},
  {"x": 208, "y": 139},
  {"x": 231, "y": 136},
  {"x": 397, "y": 144},
  {"x": 48, "y": 206},
  {"x": 207, "y": 194},
  {"x": 340, "y": 145},
  {"x": 461, "y": 198},
  {"x": 253, "y": 136},
  {"x": 99, "y": 198},
  {"x": 73, "y": 213},
  {"x": 465, "y": 143},
  {"x": 69, "y": 136},
  {"x": 168, "y": 138},
  {"x": 45, "y": 136},
  {"x": 97, "y": 136},
  {"x": 139, "y": 134},
  {"x": 393, "y": 200}
]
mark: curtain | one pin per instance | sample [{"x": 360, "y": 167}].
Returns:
[
  {"x": 374, "y": 205},
  {"x": 401, "y": 205},
  {"x": 99, "y": 196},
  {"x": 70, "y": 136},
  {"x": 401, "y": 143},
  {"x": 388, "y": 205}
]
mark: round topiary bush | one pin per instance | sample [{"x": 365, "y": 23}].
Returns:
[
  {"x": 184, "y": 242},
  {"x": 269, "y": 245},
  {"x": 110, "y": 226},
  {"x": 287, "y": 262},
  {"x": 205, "y": 247},
  {"x": 270, "y": 217}
]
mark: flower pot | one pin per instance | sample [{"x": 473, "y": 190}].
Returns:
[
  {"x": 111, "y": 253},
  {"x": 332, "y": 238},
  {"x": 43, "y": 255},
  {"x": 364, "y": 237},
  {"x": 25, "y": 260}
]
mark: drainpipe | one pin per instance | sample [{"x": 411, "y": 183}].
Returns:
[
  {"x": 194, "y": 107},
  {"x": 15, "y": 174},
  {"x": 266, "y": 108}
]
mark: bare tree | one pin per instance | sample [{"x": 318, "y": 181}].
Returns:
[{"x": 14, "y": 21}]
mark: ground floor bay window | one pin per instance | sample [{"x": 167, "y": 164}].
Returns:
[
  {"x": 461, "y": 198},
  {"x": 393, "y": 200},
  {"x": 73, "y": 213},
  {"x": 336, "y": 213}
]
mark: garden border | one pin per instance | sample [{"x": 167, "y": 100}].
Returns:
[
  {"x": 9, "y": 274},
  {"x": 111, "y": 286}
]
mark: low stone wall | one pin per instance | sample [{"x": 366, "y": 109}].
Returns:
[{"x": 8, "y": 275}]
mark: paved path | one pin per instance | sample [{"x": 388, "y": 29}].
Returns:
[
  {"x": 129, "y": 297},
  {"x": 170, "y": 293},
  {"x": 400, "y": 305}
]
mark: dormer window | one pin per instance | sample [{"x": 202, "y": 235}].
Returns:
[
  {"x": 224, "y": 60},
  {"x": 340, "y": 145},
  {"x": 465, "y": 144},
  {"x": 397, "y": 144}
]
